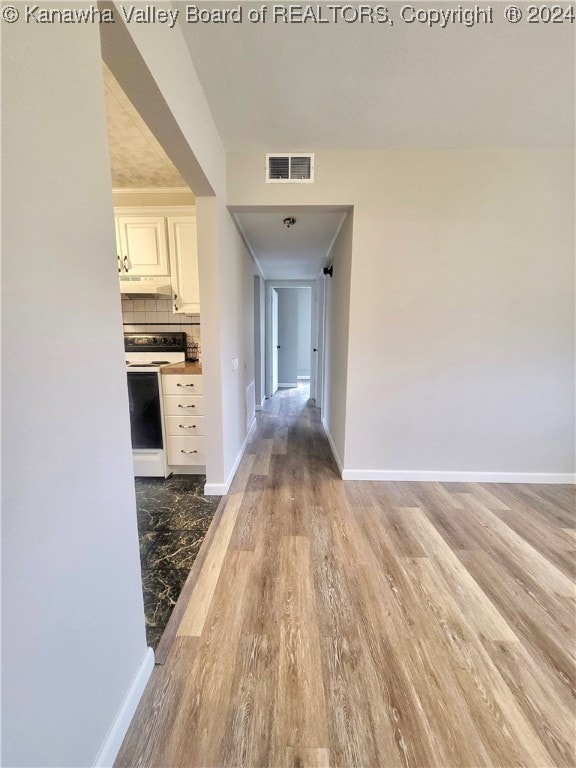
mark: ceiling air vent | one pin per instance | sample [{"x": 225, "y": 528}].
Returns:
[{"x": 290, "y": 169}]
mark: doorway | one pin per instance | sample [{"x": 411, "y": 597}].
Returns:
[{"x": 293, "y": 347}]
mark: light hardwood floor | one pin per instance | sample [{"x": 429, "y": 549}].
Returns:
[{"x": 368, "y": 624}]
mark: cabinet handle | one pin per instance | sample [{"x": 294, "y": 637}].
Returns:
[
  {"x": 119, "y": 263},
  {"x": 183, "y": 451},
  {"x": 185, "y": 406},
  {"x": 175, "y": 305},
  {"x": 184, "y": 385},
  {"x": 187, "y": 426},
  {"x": 125, "y": 260}
]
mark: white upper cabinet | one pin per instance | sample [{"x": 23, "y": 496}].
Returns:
[
  {"x": 122, "y": 263},
  {"x": 143, "y": 245},
  {"x": 183, "y": 248}
]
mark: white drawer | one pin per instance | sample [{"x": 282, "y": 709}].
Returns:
[
  {"x": 182, "y": 385},
  {"x": 182, "y": 405},
  {"x": 185, "y": 450},
  {"x": 185, "y": 425}
]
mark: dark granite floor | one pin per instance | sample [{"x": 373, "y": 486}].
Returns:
[{"x": 173, "y": 517}]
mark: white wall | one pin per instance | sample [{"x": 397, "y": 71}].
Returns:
[
  {"x": 304, "y": 330},
  {"x": 288, "y": 337},
  {"x": 153, "y": 66},
  {"x": 73, "y": 623},
  {"x": 461, "y": 346},
  {"x": 236, "y": 309}
]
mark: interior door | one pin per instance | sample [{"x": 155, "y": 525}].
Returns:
[
  {"x": 314, "y": 336},
  {"x": 274, "y": 334}
]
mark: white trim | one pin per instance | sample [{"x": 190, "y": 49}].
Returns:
[
  {"x": 173, "y": 211},
  {"x": 221, "y": 489},
  {"x": 113, "y": 742},
  {"x": 259, "y": 407},
  {"x": 544, "y": 478},
  {"x": 333, "y": 448},
  {"x": 152, "y": 190},
  {"x": 287, "y": 385}
]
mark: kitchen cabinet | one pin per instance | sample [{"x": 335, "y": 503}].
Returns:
[
  {"x": 143, "y": 245},
  {"x": 161, "y": 242},
  {"x": 183, "y": 249},
  {"x": 184, "y": 421}
]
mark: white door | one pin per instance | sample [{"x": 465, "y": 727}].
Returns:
[
  {"x": 314, "y": 350},
  {"x": 275, "y": 347},
  {"x": 320, "y": 319}
]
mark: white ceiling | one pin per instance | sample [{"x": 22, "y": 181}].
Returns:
[
  {"x": 136, "y": 158},
  {"x": 300, "y": 87},
  {"x": 295, "y": 253}
]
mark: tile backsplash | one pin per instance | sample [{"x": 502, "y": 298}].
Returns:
[{"x": 156, "y": 315}]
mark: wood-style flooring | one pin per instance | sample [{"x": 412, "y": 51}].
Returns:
[{"x": 331, "y": 623}]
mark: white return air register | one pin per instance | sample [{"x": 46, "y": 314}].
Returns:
[{"x": 294, "y": 168}]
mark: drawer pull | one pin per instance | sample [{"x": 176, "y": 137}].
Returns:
[
  {"x": 183, "y": 451},
  {"x": 187, "y": 426},
  {"x": 184, "y": 385},
  {"x": 185, "y": 406}
]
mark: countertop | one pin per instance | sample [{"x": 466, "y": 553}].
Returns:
[{"x": 187, "y": 368}]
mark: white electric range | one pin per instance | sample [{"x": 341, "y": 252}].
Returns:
[{"x": 146, "y": 353}]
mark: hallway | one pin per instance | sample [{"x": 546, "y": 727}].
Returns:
[{"x": 367, "y": 624}]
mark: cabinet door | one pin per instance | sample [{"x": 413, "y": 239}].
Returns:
[
  {"x": 143, "y": 244},
  {"x": 184, "y": 263}
]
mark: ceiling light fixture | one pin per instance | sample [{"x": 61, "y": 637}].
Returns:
[{"x": 289, "y": 221}]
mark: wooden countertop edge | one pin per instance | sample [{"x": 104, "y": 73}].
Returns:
[{"x": 187, "y": 369}]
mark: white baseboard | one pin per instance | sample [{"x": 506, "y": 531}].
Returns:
[
  {"x": 543, "y": 478},
  {"x": 333, "y": 448},
  {"x": 115, "y": 737},
  {"x": 221, "y": 489},
  {"x": 287, "y": 385}
]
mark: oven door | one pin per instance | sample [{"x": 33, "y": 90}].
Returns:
[{"x": 145, "y": 415}]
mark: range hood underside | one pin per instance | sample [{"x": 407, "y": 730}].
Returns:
[{"x": 144, "y": 287}]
